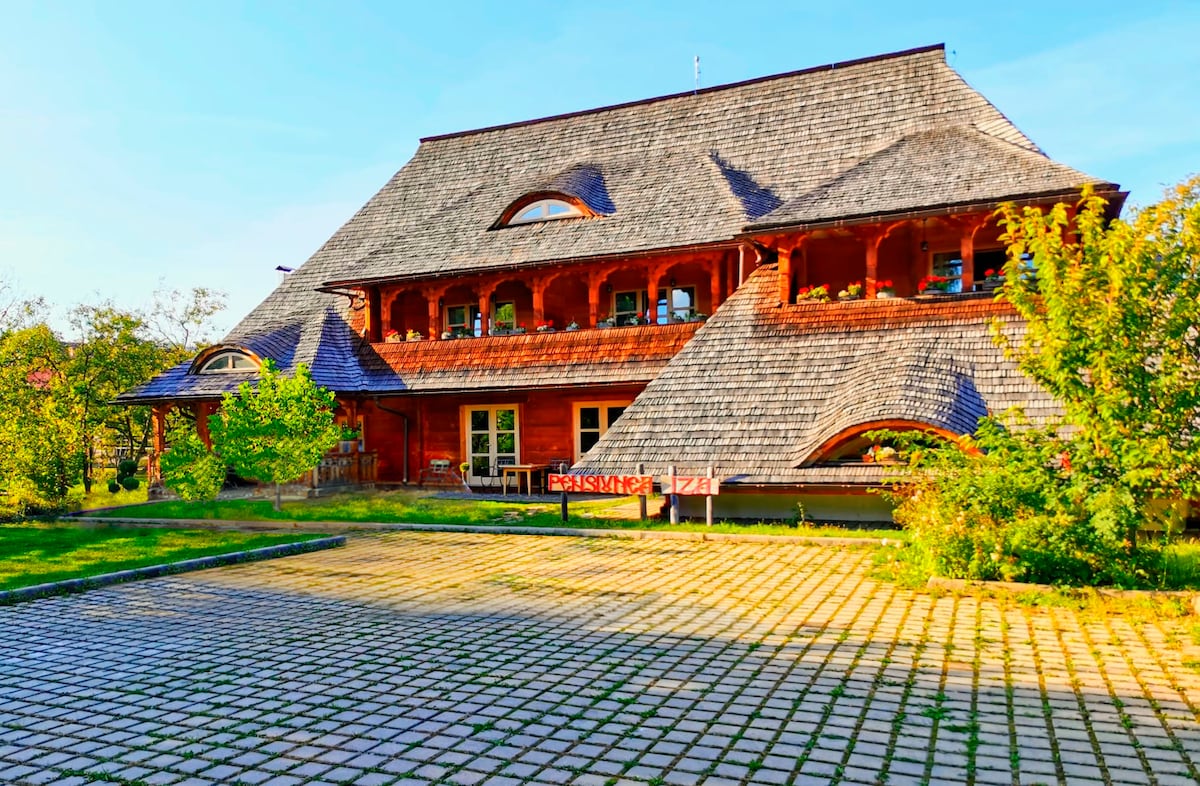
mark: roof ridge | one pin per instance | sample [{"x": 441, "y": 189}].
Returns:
[{"x": 701, "y": 91}]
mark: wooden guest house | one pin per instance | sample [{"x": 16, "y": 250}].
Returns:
[{"x": 642, "y": 284}]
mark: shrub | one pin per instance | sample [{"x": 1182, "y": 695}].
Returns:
[
  {"x": 1010, "y": 505},
  {"x": 113, "y": 487},
  {"x": 130, "y": 483},
  {"x": 127, "y": 468}
]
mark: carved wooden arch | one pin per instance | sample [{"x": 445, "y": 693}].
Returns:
[{"x": 847, "y": 435}]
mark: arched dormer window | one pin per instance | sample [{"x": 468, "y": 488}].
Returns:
[
  {"x": 230, "y": 360},
  {"x": 545, "y": 210}
]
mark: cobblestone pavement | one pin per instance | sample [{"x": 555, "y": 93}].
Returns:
[{"x": 449, "y": 658}]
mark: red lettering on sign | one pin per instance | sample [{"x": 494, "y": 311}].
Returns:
[
  {"x": 602, "y": 484},
  {"x": 691, "y": 487}
]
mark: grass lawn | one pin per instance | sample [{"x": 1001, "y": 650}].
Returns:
[
  {"x": 39, "y": 553},
  {"x": 418, "y": 508}
]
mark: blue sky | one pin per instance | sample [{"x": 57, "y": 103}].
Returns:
[{"x": 205, "y": 143}]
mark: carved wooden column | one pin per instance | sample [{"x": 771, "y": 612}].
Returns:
[
  {"x": 374, "y": 317},
  {"x": 538, "y": 287},
  {"x": 656, "y": 274},
  {"x": 969, "y": 226},
  {"x": 433, "y": 296},
  {"x": 204, "y": 409},
  {"x": 158, "y": 422},
  {"x": 714, "y": 283},
  {"x": 595, "y": 281},
  {"x": 785, "y": 275},
  {"x": 872, "y": 238},
  {"x": 387, "y": 302},
  {"x": 485, "y": 307}
]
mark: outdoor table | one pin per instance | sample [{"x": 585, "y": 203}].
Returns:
[{"x": 521, "y": 469}]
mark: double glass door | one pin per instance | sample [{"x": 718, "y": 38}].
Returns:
[{"x": 492, "y": 438}]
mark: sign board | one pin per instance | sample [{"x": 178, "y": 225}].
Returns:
[
  {"x": 690, "y": 487},
  {"x": 624, "y": 485}
]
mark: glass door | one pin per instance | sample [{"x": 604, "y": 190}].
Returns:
[{"x": 491, "y": 438}]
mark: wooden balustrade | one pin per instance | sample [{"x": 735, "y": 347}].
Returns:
[{"x": 343, "y": 470}]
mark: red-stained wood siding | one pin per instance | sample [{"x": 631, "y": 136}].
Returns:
[{"x": 435, "y": 429}]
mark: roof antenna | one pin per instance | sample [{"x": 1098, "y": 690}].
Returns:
[{"x": 696, "y": 89}]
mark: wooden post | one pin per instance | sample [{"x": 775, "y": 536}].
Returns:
[
  {"x": 435, "y": 315},
  {"x": 708, "y": 502},
  {"x": 158, "y": 420},
  {"x": 641, "y": 470},
  {"x": 374, "y": 316},
  {"x": 730, "y": 275},
  {"x": 872, "y": 264},
  {"x": 203, "y": 410},
  {"x": 714, "y": 285},
  {"x": 971, "y": 226},
  {"x": 539, "y": 301},
  {"x": 785, "y": 275},
  {"x": 595, "y": 281},
  {"x": 652, "y": 297},
  {"x": 674, "y": 497},
  {"x": 485, "y": 311}
]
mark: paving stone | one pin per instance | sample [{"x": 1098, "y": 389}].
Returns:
[{"x": 504, "y": 660}]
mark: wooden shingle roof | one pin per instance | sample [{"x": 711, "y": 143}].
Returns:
[{"x": 761, "y": 386}]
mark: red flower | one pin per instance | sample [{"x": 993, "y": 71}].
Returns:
[
  {"x": 522, "y": 325},
  {"x": 989, "y": 272},
  {"x": 886, "y": 284}
]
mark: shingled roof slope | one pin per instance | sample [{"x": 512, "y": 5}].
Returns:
[
  {"x": 679, "y": 170},
  {"x": 941, "y": 167},
  {"x": 762, "y": 385}
]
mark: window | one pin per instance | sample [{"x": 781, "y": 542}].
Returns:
[
  {"x": 592, "y": 420},
  {"x": 504, "y": 316},
  {"x": 949, "y": 265},
  {"x": 349, "y": 445},
  {"x": 491, "y": 438},
  {"x": 462, "y": 320},
  {"x": 627, "y": 306},
  {"x": 683, "y": 305},
  {"x": 224, "y": 362},
  {"x": 545, "y": 210}
]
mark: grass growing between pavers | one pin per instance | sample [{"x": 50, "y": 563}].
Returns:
[
  {"x": 41, "y": 553},
  {"x": 396, "y": 507}
]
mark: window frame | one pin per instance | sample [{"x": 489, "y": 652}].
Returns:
[
  {"x": 545, "y": 204},
  {"x": 468, "y": 327},
  {"x": 604, "y": 407},
  {"x": 468, "y": 432},
  {"x": 234, "y": 355}
]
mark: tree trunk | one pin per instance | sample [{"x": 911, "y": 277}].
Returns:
[{"x": 278, "y": 500}]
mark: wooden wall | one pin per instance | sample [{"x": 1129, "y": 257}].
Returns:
[{"x": 546, "y": 425}]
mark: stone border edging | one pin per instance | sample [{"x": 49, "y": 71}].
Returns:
[
  {"x": 495, "y": 529},
  {"x": 68, "y": 586},
  {"x": 1104, "y": 592}
]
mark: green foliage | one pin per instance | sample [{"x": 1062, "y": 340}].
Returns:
[
  {"x": 190, "y": 468},
  {"x": 113, "y": 487},
  {"x": 130, "y": 483},
  {"x": 126, "y": 469},
  {"x": 277, "y": 430},
  {"x": 39, "y": 434},
  {"x": 1113, "y": 332},
  {"x": 1111, "y": 315},
  {"x": 1010, "y": 505}
]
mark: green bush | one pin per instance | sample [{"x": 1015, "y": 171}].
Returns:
[
  {"x": 113, "y": 487},
  {"x": 1013, "y": 505},
  {"x": 130, "y": 483},
  {"x": 127, "y": 468}
]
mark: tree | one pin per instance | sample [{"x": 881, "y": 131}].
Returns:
[
  {"x": 182, "y": 321},
  {"x": 278, "y": 430},
  {"x": 111, "y": 355},
  {"x": 190, "y": 468},
  {"x": 39, "y": 432},
  {"x": 1112, "y": 313}
]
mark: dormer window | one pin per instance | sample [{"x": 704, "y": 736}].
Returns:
[
  {"x": 225, "y": 362},
  {"x": 545, "y": 210}
]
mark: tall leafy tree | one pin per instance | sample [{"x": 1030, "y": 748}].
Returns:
[
  {"x": 190, "y": 468},
  {"x": 277, "y": 430},
  {"x": 1112, "y": 313},
  {"x": 39, "y": 423}
]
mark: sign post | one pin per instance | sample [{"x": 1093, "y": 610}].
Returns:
[
  {"x": 641, "y": 470},
  {"x": 676, "y": 485},
  {"x": 674, "y": 497},
  {"x": 708, "y": 503}
]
